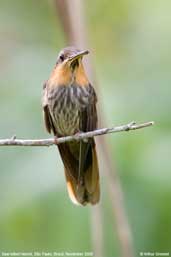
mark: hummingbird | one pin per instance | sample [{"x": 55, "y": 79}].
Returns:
[{"x": 69, "y": 107}]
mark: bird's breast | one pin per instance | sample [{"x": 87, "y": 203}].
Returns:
[{"x": 65, "y": 104}]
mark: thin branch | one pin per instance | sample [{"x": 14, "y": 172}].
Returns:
[{"x": 77, "y": 137}]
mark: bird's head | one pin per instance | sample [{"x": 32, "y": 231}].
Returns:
[
  {"x": 70, "y": 57},
  {"x": 69, "y": 68}
]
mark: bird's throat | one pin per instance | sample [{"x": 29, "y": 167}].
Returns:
[{"x": 66, "y": 75}]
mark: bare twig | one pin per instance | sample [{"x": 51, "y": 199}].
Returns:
[{"x": 77, "y": 137}]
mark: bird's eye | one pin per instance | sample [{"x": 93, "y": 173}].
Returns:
[{"x": 61, "y": 57}]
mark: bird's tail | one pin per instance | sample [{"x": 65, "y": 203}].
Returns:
[{"x": 84, "y": 189}]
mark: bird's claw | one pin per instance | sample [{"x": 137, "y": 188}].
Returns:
[
  {"x": 77, "y": 134},
  {"x": 56, "y": 140}
]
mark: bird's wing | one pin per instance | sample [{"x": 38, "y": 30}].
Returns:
[
  {"x": 46, "y": 113},
  {"x": 88, "y": 122},
  {"x": 88, "y": 167}
]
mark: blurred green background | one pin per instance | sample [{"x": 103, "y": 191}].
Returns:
[{"x": 131, "y": 41}]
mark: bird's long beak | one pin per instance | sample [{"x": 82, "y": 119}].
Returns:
[{"x": 77, "y": 55}]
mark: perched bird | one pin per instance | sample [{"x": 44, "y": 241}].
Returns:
[{"x": 69, "y": 106}]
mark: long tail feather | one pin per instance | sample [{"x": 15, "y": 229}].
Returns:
[{"x": 86, "y": 190}]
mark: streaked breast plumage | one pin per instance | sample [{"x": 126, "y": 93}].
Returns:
[{"x": 65, "y": 104}]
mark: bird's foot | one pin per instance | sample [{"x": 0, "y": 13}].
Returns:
[
  {"x": 77, "y": 134},
  {"x": 56, "y": 140}
]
